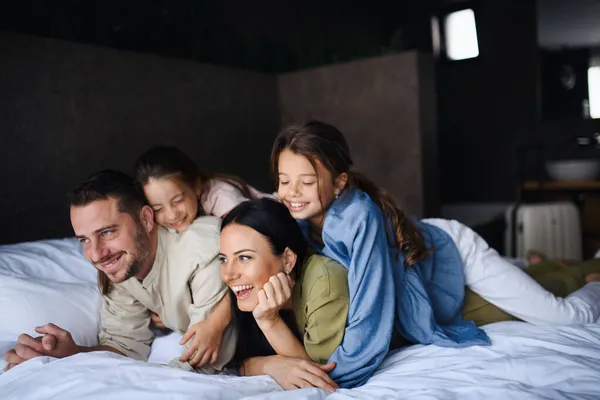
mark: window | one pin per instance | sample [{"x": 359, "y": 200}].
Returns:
[
  {"x": 461, "y": 35},
  {"x": 594, "y": 91}
]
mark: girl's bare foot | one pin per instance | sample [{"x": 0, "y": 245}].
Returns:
[
  {"x": 593, "y": 277},
  {"x": 535, "y": 257}
]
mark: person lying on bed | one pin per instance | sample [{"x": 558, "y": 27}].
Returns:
[
  {"x": 402, "y": 273},
  {"x": 288, "y": 302},
  {"x": 143, "y": 268},
  {"x": 179, "y": 192}
]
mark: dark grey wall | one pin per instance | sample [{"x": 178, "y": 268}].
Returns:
[
  {"x": 67, "y": 110},
  {"x": 571, "y": 26},
  {"x": 386, "y": 109},
  {"x": 488, "y": 106},
  {"x": 573, "y": 23}
]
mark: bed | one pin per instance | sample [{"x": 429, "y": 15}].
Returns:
[{"x": 50, "y": 281}]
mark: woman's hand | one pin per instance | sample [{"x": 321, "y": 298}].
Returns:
[
  {"x": 271, "y": 298},
  {"x": 294, "y": 373}
]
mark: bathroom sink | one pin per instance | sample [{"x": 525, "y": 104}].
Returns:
[{"x": 573, "y": 170}]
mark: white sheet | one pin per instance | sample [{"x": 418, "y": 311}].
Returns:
[{"x": 524, "y": 362}]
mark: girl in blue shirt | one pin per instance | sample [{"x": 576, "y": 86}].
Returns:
[{"x": 404, "y": 275}]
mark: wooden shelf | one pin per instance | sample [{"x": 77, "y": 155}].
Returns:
[{"x": 561, "y": 185}]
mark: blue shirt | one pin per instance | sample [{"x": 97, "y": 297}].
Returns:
[{"x": 423, "y": 302}]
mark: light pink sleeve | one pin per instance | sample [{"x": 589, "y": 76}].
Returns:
[{"x": 221, "y": 198}]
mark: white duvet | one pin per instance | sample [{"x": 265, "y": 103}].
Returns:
[
  {"x": 524, "y": 362},
  {"x": 46, "y": 281}
]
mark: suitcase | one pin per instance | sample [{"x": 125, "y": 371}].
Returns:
[{"x": 551, "y": 228}]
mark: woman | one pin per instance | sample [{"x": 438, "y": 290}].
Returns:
[{"x": 290, "y": 302}]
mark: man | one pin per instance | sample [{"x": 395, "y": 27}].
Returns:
[{"x": 143, "y": 268}]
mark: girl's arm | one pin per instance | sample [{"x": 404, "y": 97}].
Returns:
[
  {"x": 207, "y": 336},
  {"x": 204, "y": 335},
  {"x": 361, "y": 238}
]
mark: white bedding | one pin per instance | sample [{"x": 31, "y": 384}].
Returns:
[{"x": 524, "y": 362}]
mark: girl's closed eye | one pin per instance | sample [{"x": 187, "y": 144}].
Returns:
[
  {"x": 308, "y": 183},
  {"x": 283, "y": 183},
  {"x": 157, "y": 210}
]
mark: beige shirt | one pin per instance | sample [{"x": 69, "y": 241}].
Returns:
[{"x": 183, "y": 287}]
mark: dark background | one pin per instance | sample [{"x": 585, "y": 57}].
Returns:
[{"x": 488, "y": 108}]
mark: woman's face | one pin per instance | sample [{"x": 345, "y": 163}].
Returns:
[
  {"x": 175, "y": 203},
  {"x": 247, "y": 263},
  {"x": 305, "y": 192}
]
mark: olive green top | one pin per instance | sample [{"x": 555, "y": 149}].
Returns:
[{"x": 320, "y": 303}]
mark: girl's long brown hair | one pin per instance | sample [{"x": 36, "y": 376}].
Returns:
[
  {"x": 318, "y": 141},
  {"x": 165, "y": 161}
]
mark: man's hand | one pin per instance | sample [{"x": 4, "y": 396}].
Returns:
[
  {"x": 294, "y": 373},
  {"x": 271, "y": 298},
  {"x": 55, "y": 342},
  {"x": 204, "y": 348},
  {"x": 27, "y": 348},
  {"x": 62, "y": 342}
]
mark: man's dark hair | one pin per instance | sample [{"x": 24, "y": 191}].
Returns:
[{"x": 105, "y": 184}]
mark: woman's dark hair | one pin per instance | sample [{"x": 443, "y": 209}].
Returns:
[
  {"x": 166, "y": 161},
  {"x": 324, "y": 143},
  {"x": 274, "y": 222}
]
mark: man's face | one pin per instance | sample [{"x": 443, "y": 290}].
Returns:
[{"x": 113, "y": 241}]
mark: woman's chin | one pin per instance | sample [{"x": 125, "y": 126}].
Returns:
[{"x": 245, "y": 306}]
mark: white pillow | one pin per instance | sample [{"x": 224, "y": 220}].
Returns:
[
  {"x": 59, "y": 260},
  {"x": 27, "y": 303}
]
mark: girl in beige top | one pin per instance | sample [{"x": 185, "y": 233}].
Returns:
[{"x": 178, "y": 193}]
